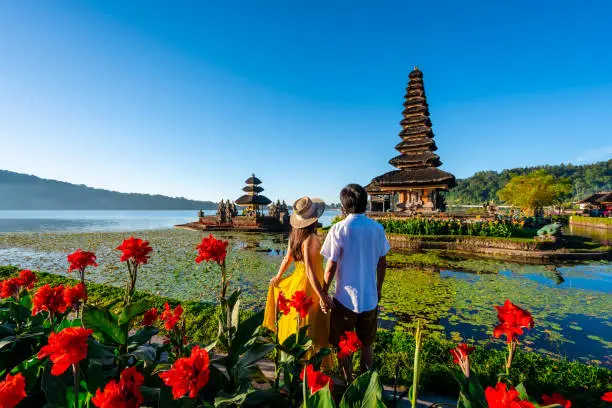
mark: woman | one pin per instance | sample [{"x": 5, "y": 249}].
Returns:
[{"x": 303, "y": 249}]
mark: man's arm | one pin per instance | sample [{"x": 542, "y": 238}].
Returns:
[
  {"x": 330, "y": 272},
  {"x": 381, "y": 270}
]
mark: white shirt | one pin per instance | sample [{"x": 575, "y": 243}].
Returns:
[{"x": 356, "y": 243}]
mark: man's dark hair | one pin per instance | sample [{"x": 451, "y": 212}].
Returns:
[{"x": 354, "y": 199}]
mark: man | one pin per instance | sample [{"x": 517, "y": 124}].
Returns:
[{"x": 356, "y": 250}]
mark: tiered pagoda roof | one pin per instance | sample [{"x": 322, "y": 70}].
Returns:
[
  {"x": 252, "y": 190},
  {"x": 417, "y": 162}
]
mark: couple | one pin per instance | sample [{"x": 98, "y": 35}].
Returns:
[{"x": 355, "y": 249}]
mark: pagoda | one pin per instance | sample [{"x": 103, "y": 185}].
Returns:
[
  {"x": 416, "y": 184},
  {"x": 252, "y": 200}
]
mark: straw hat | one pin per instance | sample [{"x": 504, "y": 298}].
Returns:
[{"x": 306, "y": 211}]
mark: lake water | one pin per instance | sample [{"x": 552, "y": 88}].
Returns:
[{"x": 92, "y": 221}]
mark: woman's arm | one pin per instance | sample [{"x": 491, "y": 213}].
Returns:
[
  {"x": 283, "y": 267},
  {"x": 310, "y": 249}
]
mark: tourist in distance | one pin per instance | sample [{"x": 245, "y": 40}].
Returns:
[
  {"x": 303, "y": 250},
  {"x": 356, "y": 250}
]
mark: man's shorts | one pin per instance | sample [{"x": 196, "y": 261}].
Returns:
[{"x": 343, "y": 319}]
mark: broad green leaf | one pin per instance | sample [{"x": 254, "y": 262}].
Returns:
[
  {"x": 103, "y": 323},
  {"x": 365, "y": 391},
  {"x": 132, "y": 310},
  {"x": 146, "y": 352},
  {"x": 522, "y": 391},
  {"x": 95, "y": 376},
  {"x": 320, "y": 399},
  {"x": 32, "y": 369},
  {"x": 53, "y": 386},
  {"x": 142, "y": 336}
]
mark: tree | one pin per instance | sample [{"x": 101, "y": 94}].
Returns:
[{"x": 535, "y": 190}]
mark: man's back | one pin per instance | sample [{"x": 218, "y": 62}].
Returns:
[{"x": 356, "y": 244}]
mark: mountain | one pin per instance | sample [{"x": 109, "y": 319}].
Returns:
[
  {"x": 483, "y": 185},
  {"x": 24, "y": 192}
]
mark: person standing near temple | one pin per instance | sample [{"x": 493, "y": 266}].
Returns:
[{"x": 355, "y": 249}]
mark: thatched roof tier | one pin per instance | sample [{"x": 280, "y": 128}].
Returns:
[
  {"x": 414, "y": 109},
  {"x": 253, "y": 200},
  {"x": 423, "y": 142},
  {"x": 414, "y": 177},
  {"x": 252, "y": 189},
  {"x": 416, "y": 121},
  {"x": 253, "y": 180},
  {"x": 414, "y": 100},
  {"x": 425, "y": 158},
  {"x": 416, "y": 131}
]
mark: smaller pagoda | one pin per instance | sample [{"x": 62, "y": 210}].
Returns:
[
  {"x": 253, "y": 218},
  {"x": 252, "y": 200}
]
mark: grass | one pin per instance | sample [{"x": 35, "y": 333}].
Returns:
[{"x": 591, "y": 220}]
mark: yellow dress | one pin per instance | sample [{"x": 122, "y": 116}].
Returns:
[{"x": 318, "y": 321}]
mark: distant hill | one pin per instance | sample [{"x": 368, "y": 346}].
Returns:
[
  {"x": 483, "y": 185},
  {"x": 24, "y": 192}
]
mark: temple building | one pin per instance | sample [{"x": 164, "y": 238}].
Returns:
[
  {"x": 256, "y": 216},
  {"x": 252, "y": 200},
  {"x": 416, "y": 184}
]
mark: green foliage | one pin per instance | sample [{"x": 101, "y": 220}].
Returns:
[
  {"x": 483, "y": 186},
  {"x": 535, "y": 190},
  {"x": 452, "y": 226},
  {"x": 580, "y": 383}
]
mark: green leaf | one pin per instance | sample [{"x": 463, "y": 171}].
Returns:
[
  {"x": 53, "y": 386},
  {"x": 95, "y": 375},
  {"x": 104, "y": 324},
  {"x": 146, "y": 352},
  {"x": 142, "y": 336},
  {"x": 98, "y": 350},
  {"x": 365, "y": 391},
  {"x": 320, "y": 399},
  {"x": 522, "y": 391},
  {"x": 32, "y": 369},
  {"x": 132, "y": 310}
]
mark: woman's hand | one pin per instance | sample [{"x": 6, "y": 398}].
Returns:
[{"x": 274, "y": 280}]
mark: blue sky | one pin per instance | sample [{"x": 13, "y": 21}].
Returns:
[{"x": 189, "y": 98}]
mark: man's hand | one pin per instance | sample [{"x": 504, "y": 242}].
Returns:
[{"x": 326, "y": 302}]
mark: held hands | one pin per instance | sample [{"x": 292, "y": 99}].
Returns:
[{"x": 326, "y": 303}]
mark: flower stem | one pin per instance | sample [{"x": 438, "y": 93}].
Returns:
[{"x": 75, "y": 372}]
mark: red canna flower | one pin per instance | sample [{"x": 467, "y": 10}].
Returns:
[
  {"x": 461, "y": 352},
  {"x": 284, "y": 305},
  {"x": 10, "y": 288},
  {"x": 501, "y": 397},
  {"x": 316, "y": 379},
  {"x": 212, "y": 249},
  {"x": 607, "y": 396},
  {"x": 170, "y": 317},
  {"x": 72, "y": 296},
  {"x": 556, "y": 398},
  {"x": 80, "y": 259},
  {"x": 149, "y": 317},
  {"x": 27, "y": 279},
  {"x": 349, "y": 343},
  {"x": 13, "y": 286},
  {"x": 49, "y": 299},
  {"x": 513, "y": 320},
  {"x": 66, "y": 348},
  {"x": 135, "y": 250},
  {"x": 460, "y": 356},
  {"x": 123, "y": 394},
  {"x": 301, "y": 303},
  {"x": 12, "y": 390},
  {"x": 188, "y": 374}
]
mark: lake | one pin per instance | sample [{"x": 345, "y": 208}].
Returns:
[
  {"x": 91, "y": 221},
  {"x": 453, "y": 296}
]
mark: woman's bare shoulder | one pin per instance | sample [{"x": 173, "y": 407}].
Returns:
[{"x": 312, "y": 244}]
